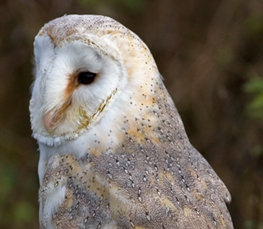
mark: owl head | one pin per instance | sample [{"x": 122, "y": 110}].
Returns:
[{"x": 87, "y": 68}]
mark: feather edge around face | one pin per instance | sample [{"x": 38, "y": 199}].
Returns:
[{"x": 53, "y": 106}]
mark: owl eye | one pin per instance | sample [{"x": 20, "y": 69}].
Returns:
[{"x": 86, "y": 77}]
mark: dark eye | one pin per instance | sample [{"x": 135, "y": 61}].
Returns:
[{"x": 86, "y": 77}]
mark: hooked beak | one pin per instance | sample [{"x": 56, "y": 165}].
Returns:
[{"x": 53, "y": 117}]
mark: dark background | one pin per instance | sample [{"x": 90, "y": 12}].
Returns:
[{"x": 211, "y": 56}]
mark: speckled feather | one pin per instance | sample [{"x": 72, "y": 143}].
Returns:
[{"x": 137, "y": 168}]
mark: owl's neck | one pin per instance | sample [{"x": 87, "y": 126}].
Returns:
[
  {"x": 132, "y": 117},
  {"x": 105, "y": 136}
]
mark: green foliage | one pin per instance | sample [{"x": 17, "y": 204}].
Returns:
[
  {"x": 24, "y": 212},
  {"x": 254, "y": 24},
  {"x": 225, "y": 56},
  {"x": 257, "y": 151},
  {"x": 7, "y": 183},
  {"x": 15, "y": 201},
  {"x": 255, "y": 107},
  {"x": 250, "y": 224}
]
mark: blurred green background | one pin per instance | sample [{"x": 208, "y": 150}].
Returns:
[{"x": 211, "y": 56}]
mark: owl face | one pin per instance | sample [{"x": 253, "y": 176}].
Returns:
[
  {"x": 89, "y": 68},
  {"x": 76, "y": 82}
]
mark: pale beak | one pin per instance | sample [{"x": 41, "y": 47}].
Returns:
[{"x": 53, "y": 117}]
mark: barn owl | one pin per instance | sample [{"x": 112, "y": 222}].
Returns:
[{"x": 113, "y": 149}]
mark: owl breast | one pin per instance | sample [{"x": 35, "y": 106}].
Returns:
[{"x": 154, "y": 178}]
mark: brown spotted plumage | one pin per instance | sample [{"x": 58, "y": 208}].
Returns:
[{"x": 116, "y": 157}]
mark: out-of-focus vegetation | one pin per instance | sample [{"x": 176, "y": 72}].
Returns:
[
  {"x": 255, "y": 107},
  {"x": 211, "y": 56}
]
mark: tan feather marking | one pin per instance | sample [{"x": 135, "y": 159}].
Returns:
[
  {"x": 192, "y": 171},
  {"x": 41, "y": 33},
  {"x": 96, "y": 151},
  {"x": 168, "y": 204},
  {"x": 119, "y": 202},
  {"x": 161, "y": 176},
  {"x": 71, "y": 86},
  {"x": 223, "y": 221},
  {"x": 139, "y": 136},
  {"x": 187, "y": 212},
  {"x": 170, "y": 177},
  {"x": 70, "y": 31},
  {"x": 69, "y": 199},
  {"x": 146, "y": 101},
  {"x": 112, "y": 32},
  {"x": 49, "y": 31},
  {"x": 133, "y": 132},
  {"x": 85, "y": 119},
  {"x": 204, "y": 184},
  {"x": 93, "y": 181},
  {"x": 53, "y": 38},
  {"x": 199, "y": 197}
]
